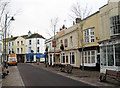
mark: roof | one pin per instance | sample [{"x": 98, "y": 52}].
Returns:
[
  {"x": 35, "y": 35},
  {"x": 13, "y": 38}
]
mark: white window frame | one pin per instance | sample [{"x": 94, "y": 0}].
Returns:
[
  {"x": 63, "y": 54},
  {"x": 88, "y": 35},
  {"x": 70, "y": 59}
]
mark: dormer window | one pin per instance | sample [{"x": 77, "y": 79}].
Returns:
[{"x": 115, "y": 25}]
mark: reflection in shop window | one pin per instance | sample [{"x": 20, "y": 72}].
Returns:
[
  {"x": 103, "y": 56},
  {"x": 88, "y": 56},
  {"x": 117, "y": 54},
  {"x": 110, "y": 56}
]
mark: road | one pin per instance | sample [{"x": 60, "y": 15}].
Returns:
[{"x": 34, "y": 76}]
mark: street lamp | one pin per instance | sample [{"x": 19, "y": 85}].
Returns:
[{"x": 6, "y": 18}]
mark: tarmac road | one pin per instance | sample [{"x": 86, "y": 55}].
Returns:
[{"x": 34, "y": 76}]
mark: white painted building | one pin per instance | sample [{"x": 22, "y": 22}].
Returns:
[{"x": 34, "y": 47}]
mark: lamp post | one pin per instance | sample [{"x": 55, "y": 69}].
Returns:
[{"x": 6, "y": 18}]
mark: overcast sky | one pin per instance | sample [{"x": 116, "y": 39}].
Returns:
[{"x": 35, "y": 15}]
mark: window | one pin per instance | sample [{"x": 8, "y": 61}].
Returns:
[
  {"x": 29, "y": 42},
  {"x": 110, "y": 55},
  {"x": 115, "y": 25},
  {"x": 12, "y": 43},
  {"x": 63, "y": 58},
  {"x": 89, "y": 56},
  {"x": 72, "y": 58},
  {"x": 103, "y": 56},
  {"x": 71, "y": 41},
  {"x": 0, "y": 48},
  {"x": 89, "y": 35},
  {"x": 9, "y": 51},
  {"x": 12, "y": 50},
  {"x": 21, "y": 42},
  {"x": 21, "y": 50},
  {"x": 17, "y": 50},
  {"x": 37, "y": 49},
  {"x": 85, "y": 55},
  {"x": 0, "y": 37},
  {"x": 17, "y": 43},
  {"x": 29, "y": 49},
  {"x": 9, "y": 44},
  {"x": 38, "y": 42},
  {"x": 92, "y": 56},
  {"x": 117, "y": 54},
  {"x": 66, "y": 43}
]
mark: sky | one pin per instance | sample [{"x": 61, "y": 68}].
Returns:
[{"x": 35, "y": 15}]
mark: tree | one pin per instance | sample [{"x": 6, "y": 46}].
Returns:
[
  {"x": 79, "y": 12},
  {"x": 54, "y": 23}
]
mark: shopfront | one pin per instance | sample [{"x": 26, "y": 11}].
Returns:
[{"x": 110, "y": 55}]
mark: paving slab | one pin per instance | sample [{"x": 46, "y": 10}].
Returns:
[{"x": 14, "y": 78}]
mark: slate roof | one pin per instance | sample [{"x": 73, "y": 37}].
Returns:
[{"x": 35, "y": 35}]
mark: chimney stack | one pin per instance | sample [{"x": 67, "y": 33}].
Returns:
[{"x": 78, "y": 20}]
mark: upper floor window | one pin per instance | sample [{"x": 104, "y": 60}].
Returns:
[
  {"x": 21, "y": 42},
  {"x": 0, "y": 37},
  {"x": 115, "y": 25},
  {"x": 17, "y": 50},
  {"x": 29, "y": 42},
  {"x": 38, "y": 49},
  {"x": 21, "y": 50},
  {"x": 38, "y": 42},
  {"x": 12, "y": 43},
  {"x": 71, "y": 41},
  {"x": 17, "y": 43},
  {"x": 66, "y": 43},
  {"x": 0, "y": 48},
  {"x": 89, "y": 35},
  {"x": 9, "y": 44}
]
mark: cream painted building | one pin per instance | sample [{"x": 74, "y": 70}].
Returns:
[
  {"x": 20, "y": 45},
  {"x": 110, "y": 36},
  {"x": 70, "y": 38}
]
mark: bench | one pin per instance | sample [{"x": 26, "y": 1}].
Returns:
[
  {"x": 66, "y": 68},
  {"x": 110, "y": 73}
]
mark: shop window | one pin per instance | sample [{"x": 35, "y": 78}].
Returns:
[
  {"x": 72, "y": 58},
  {"x": 103, "y": 56},
  {"x": 93, "y": 56},
  {"x": 63, "y": 58},
  {"x": 110, "y": 55},
  {"x": 117, "y": 54},
  {"x": 85, "y": 55},
  {"x": 88, "y": 56}
]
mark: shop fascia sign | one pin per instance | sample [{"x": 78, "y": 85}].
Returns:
[{"x": 111, "y": 42}]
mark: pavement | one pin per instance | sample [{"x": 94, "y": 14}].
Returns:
[
  {"x": 13, "y": 78},
  {"x": 88, "y": 77}
]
